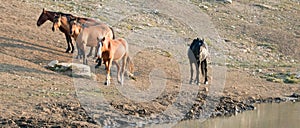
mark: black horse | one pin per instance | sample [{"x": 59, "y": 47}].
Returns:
[{"x": 198, "y": 54}]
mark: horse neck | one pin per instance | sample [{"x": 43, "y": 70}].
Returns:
[
  {"x": 80, "y": 27},
  {"x": 51, "y": 15},
  {"x": 105, "y": 45}
]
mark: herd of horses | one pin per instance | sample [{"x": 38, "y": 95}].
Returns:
[{"x": 108, "y": 49}]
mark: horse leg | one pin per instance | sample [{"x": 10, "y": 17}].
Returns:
[
  {"x": 78, "y": 51},
  {"x": 197, "y": 72},
  {"x": 192, "y": 72},
  {"x": 91, "y": 52},
  {"x": 108, "y": 65},
  {"x": 130, "y": 67},
  {"x": 98, "y": 61},
  {"x": 68, "y": 38},
  {"x": 204, "y": 70},
  {"x": 118, "y": 71},
  {"x": 123, "y": 68},
  {"x": 84, "y": 55}
]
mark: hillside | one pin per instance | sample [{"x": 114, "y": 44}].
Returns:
[{"x": 254, "y": 47}]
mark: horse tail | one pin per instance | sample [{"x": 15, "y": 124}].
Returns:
[
  {"x": 130, "y": 68},
  {"x": 113, "y": 32}
]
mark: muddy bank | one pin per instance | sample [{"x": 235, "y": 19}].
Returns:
[
  {"x": 74, "y": 115},
  {"x": 51, "y": 115},
  {"x": 229, "y": 106}
]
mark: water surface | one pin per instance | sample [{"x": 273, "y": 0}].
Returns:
[{"x": 283, "y": 115}]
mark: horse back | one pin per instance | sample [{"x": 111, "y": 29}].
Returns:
[
  {"x": 118, "y": 48},
  {"x": 91, "y": 34}
]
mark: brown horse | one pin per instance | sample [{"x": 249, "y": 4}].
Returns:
[
  {"x": 49, "y": 15},
  {"x": 88, "y": 36},
  {"x": 64, "y": 22},
  {"x": 114, "y": 51}
]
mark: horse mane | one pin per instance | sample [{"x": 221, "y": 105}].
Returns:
[
  {"x": 113, "y": 32},
  {"x": 64, "y": 14}
]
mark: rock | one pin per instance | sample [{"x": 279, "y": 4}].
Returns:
[
  {"x": 63, "y": 67},
  {"x": 292, "y": 60},
  {"x": 297, "y": 75},
  {"x": 264, "y": 6},
  {"x": 295, "y": 95},
  {"x": 203, "y": 6},
  {"x": 228, "y": 1},
  {"x": 52, "y": 63},
  {"x": 259, "y": 70}
]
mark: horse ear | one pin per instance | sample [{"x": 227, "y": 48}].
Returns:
[
  {"x": 55, "y": 15},
  {"x": 103, "y": 39},
  {"x": 77, "y": 19},
  {"x": 44, "y": 10}
]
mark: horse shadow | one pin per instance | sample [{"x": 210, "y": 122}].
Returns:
[
  {"x": 31, "y": 47},
  {"x": 10, "y": 68},
  {"x": 27, "y": 46}
]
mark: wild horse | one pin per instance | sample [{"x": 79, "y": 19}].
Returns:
[
  {"x": 50, "y": 15},
  {"x": 87, "y": 35},
  {"x": 112, "y": 51},
  {"x": 198, "y": 54},
  {"x": 76, "y": 25}
]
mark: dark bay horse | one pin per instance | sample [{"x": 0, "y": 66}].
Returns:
[
  {"x": 50, "y": 15},
  {"x": 198, "y": 54},
  {"x": 112, "y": 51}
]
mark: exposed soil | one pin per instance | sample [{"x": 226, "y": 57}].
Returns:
[{"x": 258, "y": 38}]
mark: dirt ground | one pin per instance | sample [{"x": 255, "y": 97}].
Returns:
[{"x": 33, "y": 96}]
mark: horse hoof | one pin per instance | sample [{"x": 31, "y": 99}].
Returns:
[
  {"x": 97, "y": 66},
  {"x": 205, "y": 82},
  {"x": 68, "y": 50},
  {"x": 107, "y": 83},
  {"x": 120, "y": 82}
]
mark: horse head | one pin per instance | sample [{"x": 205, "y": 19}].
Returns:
[
  {"x": 75, "y": 26},
  {"x": 103, "y": 45},
  {"x": 43, "y": 18},
  {"x": 196, "y": 46},
  {"x": 100, "y": 47}
]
